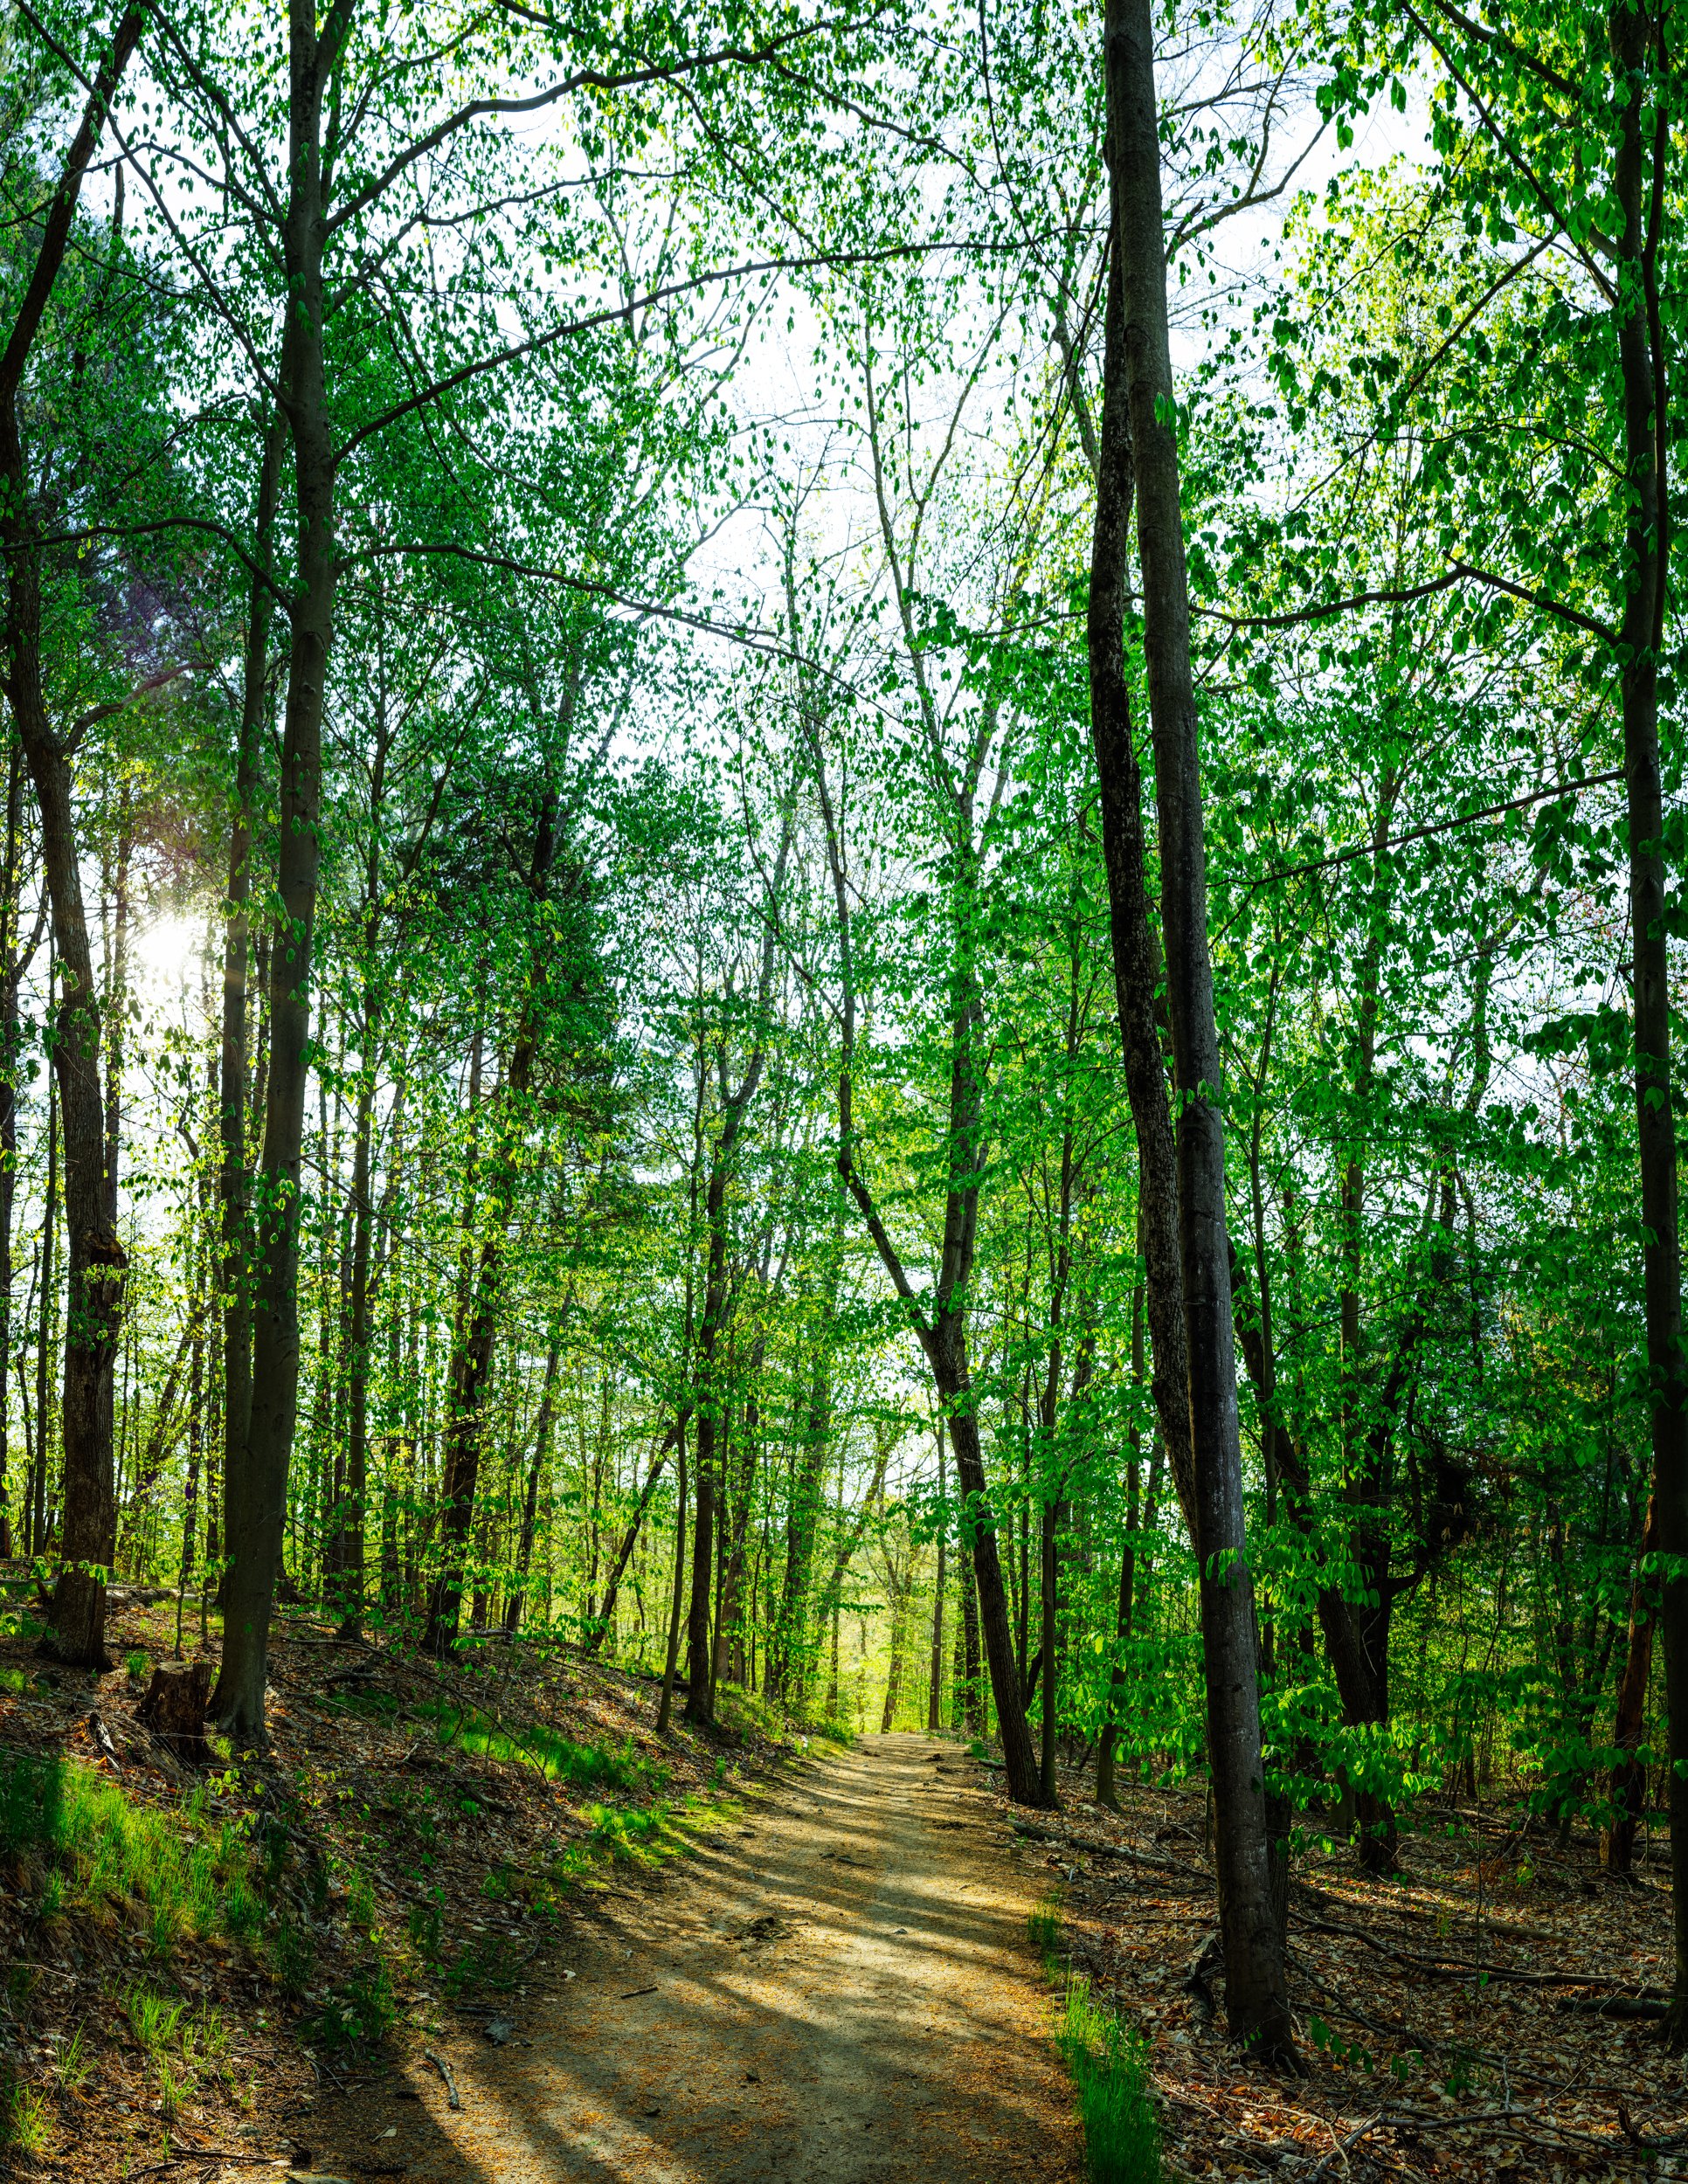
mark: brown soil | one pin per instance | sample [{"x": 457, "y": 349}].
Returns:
[{"x": 839, "y": 1986}]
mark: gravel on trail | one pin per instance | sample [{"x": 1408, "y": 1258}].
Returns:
[{"x": 838, "y": 1985}]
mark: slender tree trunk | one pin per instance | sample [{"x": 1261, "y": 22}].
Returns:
[
  {"x": 973, "y": 1718},
  {"x": 1641, "y": 364},
  {"x": 355, "y": 1505},
  {"x": 1256, "y": 2000},
  {"x": 467, "y": 1426},
  {"x": 13, "y": 961},
  {"x": 542, "y": 1445},
  {"x": 1136, "y": 948},
  {"x": 256, "y": 1476},
  {"x": 1139, "y": 1517},
  {"x": 900, "y": 1589},
  {"x": 671, "y": 1661},
  {"x": 95, "y": 1262},
  {"x": 43, "y": 1493},
  {"x": 935, "y": 1696},
  {"x": 1629, "y": 1783}
]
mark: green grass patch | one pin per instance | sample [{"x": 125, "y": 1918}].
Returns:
[
  {"x": 23, "y": 2119},
  {"x": 78, "y": 1845},
  {"x": 1043, "y": 1925},
  {"x": 547, "y": 1751},
  {"x": 1110, "y": 2066}
]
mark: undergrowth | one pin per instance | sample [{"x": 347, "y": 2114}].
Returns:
[
  {"x": 1109, "y": 2062},
  {"x": 78, "y": 1845},
  {"x": 547, "y": 1751}
]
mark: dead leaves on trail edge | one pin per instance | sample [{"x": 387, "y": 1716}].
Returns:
[
  {"x": 192, "y": 1959},
  {"x": 1450, "y": 2017}
]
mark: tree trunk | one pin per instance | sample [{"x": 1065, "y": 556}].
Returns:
[
  {"x": 1257, "y": 2001},
  {"x": 354, "y": 1501},
  {"x": 671, "y": 1660},
  {"x": 41, "y": 1483},
  {"x": 1641, "y": 364},
  {"x": 935, "y": 1696},
  {"x": 1629, "y": 1783},
  {"x": 542, "y": 1444},
  {"x": 14, "y": 960},
  {"x": 899, "y": 1590},
  {"x": 1140, "y": 1512},
  {"x": 95, "y": 1263},
  {"x": 256, "y": 1475},
  {"x": 235, "y": 1176}
]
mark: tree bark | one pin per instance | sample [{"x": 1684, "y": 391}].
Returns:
[
  {"x": 1642, "y": 365},
  {"x": 256, "y": 1474},
  {"x": 935, "y": 1697},
  {"x": 466, "y": 1432},
  {"x": 1629, "y": 1783},
  {"x": 1256, "y": 2000},
  {"x": 14, "y": 961},
  {"x": 542, "y": 1443},
  {"x": 95, "y": 1262}
]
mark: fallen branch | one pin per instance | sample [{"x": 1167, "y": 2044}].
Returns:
[
  {"x": 445, "y": 2071},
  {"x": 1638, "y": 2139},
  {"x": 1650, "y": 2008},
  {"x": 1451, "y": 1967},
  {"x": 1340, "y": 2152}
]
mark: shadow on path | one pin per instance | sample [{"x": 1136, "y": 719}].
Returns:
[{"x": 840, "y": 1988}]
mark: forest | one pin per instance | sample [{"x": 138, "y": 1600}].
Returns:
[{"x": 840, "y": 866}]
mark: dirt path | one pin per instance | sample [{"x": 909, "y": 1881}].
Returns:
[{"x": 839, "y": 1988}]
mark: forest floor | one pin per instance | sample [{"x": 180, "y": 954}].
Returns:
[
  {"x": 704, "y": 1960},
  {"x": 1450, "y": 2012}
]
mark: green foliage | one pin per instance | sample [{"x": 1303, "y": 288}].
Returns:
[
  {"x": 362, "y": 2011},
  {"x": 1043, "y": 1926}
]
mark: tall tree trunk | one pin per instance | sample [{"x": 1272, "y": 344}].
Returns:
[
  {"x": 256, "y": 1476},
  {"x": 41, "y": 1497},
  {"x": 542, "y": 1445},
  {"x": 1135, "y": 946},
  {"x": 900, "y": 1586},
  {"x": 1646, "y": 431},
  {"x": 466, "y": 1432},
  {"x": 935, "y": 1695},
  {"x": 1140, "y": 1518},
  {"x": 671, "y": 1659},
  {"x": 1256, "y": 2000},
  {"x": 95, "y": 1262},
  {"x": 707, "y": 1395},
  {"x": 356, "y": 1502},
  {"x": 14, "y": 960}
]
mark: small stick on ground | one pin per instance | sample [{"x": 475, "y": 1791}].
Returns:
[{"x": 445, "y": 2071}]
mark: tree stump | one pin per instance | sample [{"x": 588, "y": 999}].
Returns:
[{"x": 173, "y": 1709}]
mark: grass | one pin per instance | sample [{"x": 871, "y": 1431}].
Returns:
[
  {"x": 24, "y": 2119},
  {"x": 78, "y": 1845},
  {"x": 73, "y": 2064},
  {"x": 1109, "y": 2062},
  {"x": 1043, "y": 1925},
  {"x": 153, "y": 2018},
  {"x": 549, "y": 1752}
]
